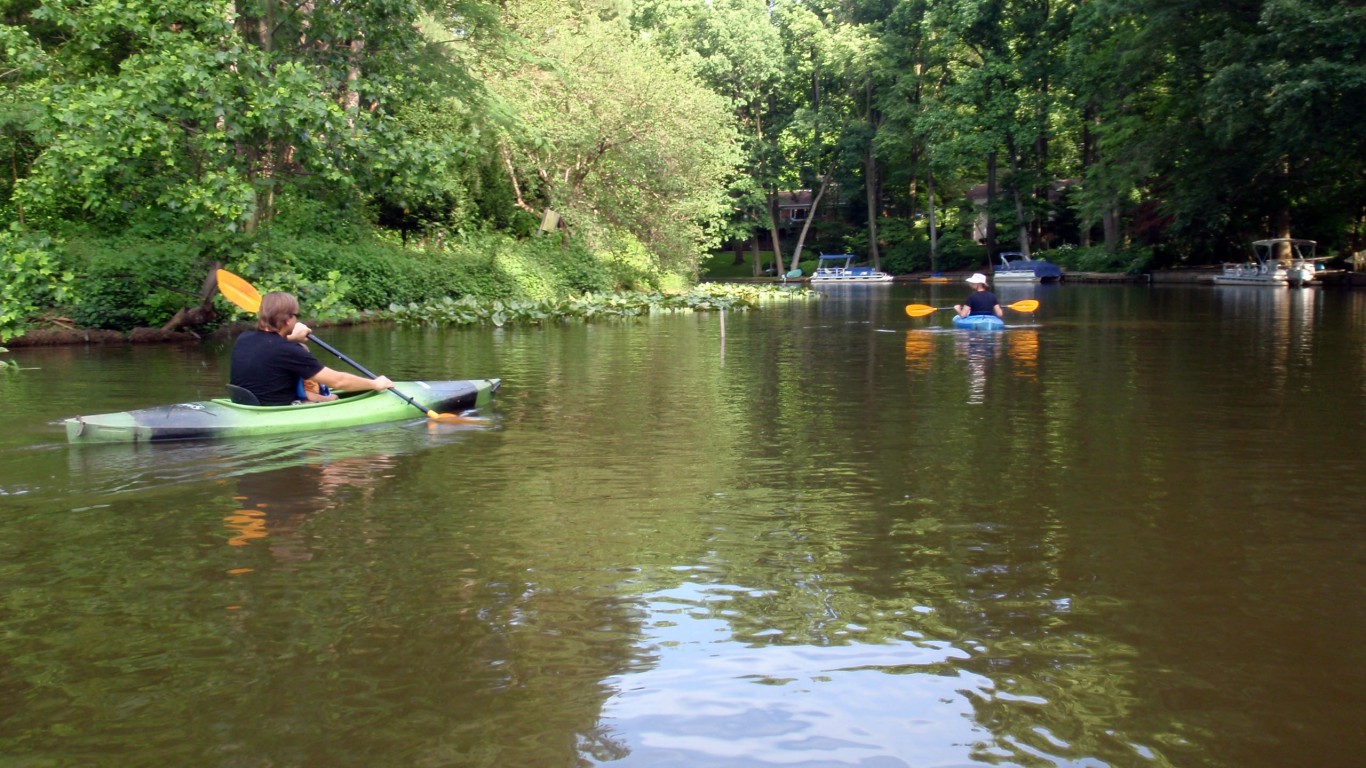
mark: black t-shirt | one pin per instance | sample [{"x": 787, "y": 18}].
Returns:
[
  {"x": 981, "y": 303},
  {"x": 271, "y": 367}
]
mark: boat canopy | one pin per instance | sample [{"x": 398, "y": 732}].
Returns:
[
  {"x": 1291, "y": 240},
  {"x": 1295, "y": 248},
  {"x": 837, "y": 257}
]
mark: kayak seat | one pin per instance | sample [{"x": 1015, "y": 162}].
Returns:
[{"x": 242, "y": 396}]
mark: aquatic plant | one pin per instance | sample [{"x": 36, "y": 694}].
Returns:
[{"x": 707, "y": 297}]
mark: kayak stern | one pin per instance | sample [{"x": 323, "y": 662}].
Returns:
[{"x": 979, "y": 323}]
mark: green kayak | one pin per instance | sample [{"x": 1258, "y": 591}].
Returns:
[{"x": 211, "y": 419}]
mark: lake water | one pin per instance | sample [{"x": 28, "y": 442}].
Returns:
[{"x": 1128, "y": 531}]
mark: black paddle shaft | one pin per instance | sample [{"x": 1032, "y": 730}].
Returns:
[{"x": 363, "y": 370}]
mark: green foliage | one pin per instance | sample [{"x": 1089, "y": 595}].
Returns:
[
  {"x": 578, "y": 269},
  {"x": 8, "y": 365},
  {"x": 958, "y": 251},
  {"x": 177, "y": 107},
  {"x": 1098, "y": 259},
  {"x": 333, "y": 280},
  {"x": 31, "y": 279},
  {"x": 127, "y": 282},
  {"x": 624, "y": 142},
  {"x": 132, "y": 282},
  {"x": 468, "y": 310},
  {"x": 912, "y": 254},
  {"x": 906, "y": 256},
  {"x": 172, "y": 135}
]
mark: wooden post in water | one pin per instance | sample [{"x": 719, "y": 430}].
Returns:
[{"x": 723, "y": 337}]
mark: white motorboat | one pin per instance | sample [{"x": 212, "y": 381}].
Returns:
[
  {"x": 1279, "y": 261},
  {"x": 1022, "y": 269},
  {"x": 1008, "y": 273},
  {"x": 845, "y": 273}
]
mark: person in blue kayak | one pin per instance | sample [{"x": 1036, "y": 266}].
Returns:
[
  {"x": 981, "y": 301},
  {"x": 272, "y": 362}
]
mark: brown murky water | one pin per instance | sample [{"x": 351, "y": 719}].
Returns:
[{"x": 1128, "y": 531}]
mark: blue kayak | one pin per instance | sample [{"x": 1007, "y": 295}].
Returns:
[{"x": 979, "y": 323}]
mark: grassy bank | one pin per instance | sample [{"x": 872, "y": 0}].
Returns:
[
  {"x": 100, "y": 289},
  {"x": 102, "y": 283}
]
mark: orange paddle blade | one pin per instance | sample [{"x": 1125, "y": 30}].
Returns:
[
  {"x": 452, "y": 418},
  {"x": 1027, "y": 305},
  {"x": 239, "y": 291},
  {"x": 920, "y": 310}
]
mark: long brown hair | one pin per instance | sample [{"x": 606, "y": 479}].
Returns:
[{"x": 276, "y": 309}]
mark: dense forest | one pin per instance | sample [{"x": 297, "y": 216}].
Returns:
[{"x": 365, "y": 152}]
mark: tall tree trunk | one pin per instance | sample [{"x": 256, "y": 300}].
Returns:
[
  {"x": 1089, "y": 155},
  {"x": 811, "y": 215},
  {"x": 934, "y": 232},
  {"x": 816, "y": 99},
  {"x": 1111, "y": 226},
  {"x": 1283, "y": 252},
  {"x": 773, "y": 229},
  {"x": 871, "y": 181},
  {"x": 265, "y": 26},
  {"x": 351, "y": 100},
  {"x": 14, "y": 176},
  {"x": 1022, "y": 223},
  {"x": 991, "y": 219},
  {"x": 1036, "y": 224},
  {"x": 1282, "y": 217},
  {"x": 754, "y": 246}
]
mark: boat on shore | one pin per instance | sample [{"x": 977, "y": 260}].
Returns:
[
  {"x": 1023, "y": 269},
  {"x": 845, "y": 273},
  {"x": 1008, "y": 273},
  {"x": 1277, "y": 262},
  {"x": 223, "y": 418}
]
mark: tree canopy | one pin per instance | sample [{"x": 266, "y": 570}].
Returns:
[{"x": 657, "y": 129}]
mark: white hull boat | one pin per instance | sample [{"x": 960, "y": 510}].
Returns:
[
  {"x": 1024, "y": 269},
  {"x": 844, "y": 273},
  {"x": 1015, "y": 276},
  {"x": 1277, "y": 262}
]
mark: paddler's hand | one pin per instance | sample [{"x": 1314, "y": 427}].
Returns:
[
  {"x": 299, "y": 333},
  {"x": 382, "y": 382}
]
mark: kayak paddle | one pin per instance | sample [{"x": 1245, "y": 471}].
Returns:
[
  {"x": 920, "y": 310},
  {"x": 245, "y": 295}
]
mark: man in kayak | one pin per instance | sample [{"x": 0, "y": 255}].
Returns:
[
  {"x": 981, "y": 302},
  {"x": 271, "y": 361}
]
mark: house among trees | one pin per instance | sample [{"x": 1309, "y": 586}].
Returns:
[
  {"x": 1058, "y": 225},
  {"x": 794, "y": 208}
]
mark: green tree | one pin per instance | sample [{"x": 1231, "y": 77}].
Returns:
[
  {"x": 999, "y": 99},
  {"x": 197, "y": 115},
  {"x": 733, "y": 46},
  {"x": 615, "y": 135}
]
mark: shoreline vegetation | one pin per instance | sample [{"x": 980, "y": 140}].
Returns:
[
  {"x": 725, "y": 285},
  {"x": 464, "y": 311},
  {"x": 523, "y": 153}
]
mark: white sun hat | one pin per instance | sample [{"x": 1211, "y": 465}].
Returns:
[{"x": 977, "y": 277}]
